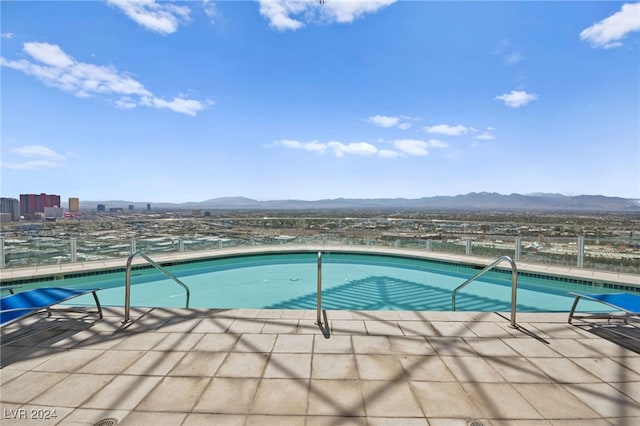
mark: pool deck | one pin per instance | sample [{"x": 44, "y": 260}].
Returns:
[{"x": 277, "y": 367}]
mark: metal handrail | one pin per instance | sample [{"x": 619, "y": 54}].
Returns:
[
  {"x": 127, "y": 292},
  {"x": 319, "y": 298},
  {"x": 514, "y": 285}
]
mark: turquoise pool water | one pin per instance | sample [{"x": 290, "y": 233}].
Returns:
[{"x": 350, "y": 282}]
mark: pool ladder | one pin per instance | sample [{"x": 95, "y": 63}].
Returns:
[
  {"x": 127, "y": 292},
  {"x": 514, "y": 285}
]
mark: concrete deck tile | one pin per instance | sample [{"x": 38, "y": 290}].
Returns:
[
  {"x": 606, "y": 400},
  {"x": 286, "y": 365},
  {"x": 335, "y": 398},
  {"x": 238, "y": 364},
  {"x": 454, "y": 346},
  {"x": 140, "y": 341},
  {"x": 417, "y": 328},
  {"x": 554, "y": 401},
  {"x": 29, "y": 385},
  {"x": 334, "y": 366},
  {"x": 68, "y": 361},
  {"x": 137, "y": 418},
  {"x": 7, "y": 375},
  {"x": 88, "y": 416},
  {"x": 174, "y": 394},
  {"x": 490, "y": 329},
  {"x": 123, "y": 392},
  {"x": 471, "y": 369},
  {"x": 178, "y": 342},
  {"x": 111, "y": 362},
  {"x": 73, "y": 390},
  {"x": 280, "y": 326},
  {"x": 631, "y": 389},
  {"x": 213, "y": 325},
  {"x": 198, "y": 419},
  {"x": 199, "y": 364},
  {"x": 379, "y": 367},
  {"x": 429, "y": 368},
  {"x": 390, "y": 399},
  {"x": 216, "y": 342},
  {"x": 581, "y": 422},
  {"x": 607, "y": 369},
  {"x": 19, "y": 358},
  {"x": 386, "y": 421},
  {"x": 574, "y": 348},
  {"x": 518, "y": 370},
  {"x": 155, "y": 363},
  {"x": 631, "y": 363},
  {"x": 294, "y": 343},
  {"x": 562, "y": 370},
  {"x": 259, "y": 420},
  {"x": 246, "y": 325},
  {"x": 444, "y": 400},
  {"x": 348, "y": 327},
  {"x": 452, "y": 329},
  {"x": 228, "y": 396},
  {"x": 531, "y": 347},
  {"x": 281, "y": 396},
  {"x": 383, "y": 328},
  {"x": 371, "y": 345},
  {"x": 412, "y": 345},
  {"x": 500, "y": 401},
  {"x": 334, "y": 344},
  {"x": 491, "y": 347},
  {"x": 255, "y": 343}
]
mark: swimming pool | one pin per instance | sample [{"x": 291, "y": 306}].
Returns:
[{"x": 351, "y": 281}]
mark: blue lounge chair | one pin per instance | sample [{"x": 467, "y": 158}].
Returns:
[
  {"x": 625, "y": 302},
  {"x": 23, "y": 304}
]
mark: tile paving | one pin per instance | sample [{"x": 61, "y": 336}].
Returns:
[
  {"x": 249, "y": 367},
  {"x": 277, "y": 367}
]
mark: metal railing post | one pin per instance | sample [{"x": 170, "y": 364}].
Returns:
[
  {"x": 74, "y": 250},
  {"x": 319, "y": 300},
  {"x": 580, "y": 248},
  {"x": 1, "y": 252}
]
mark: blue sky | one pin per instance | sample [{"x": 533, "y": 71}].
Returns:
[{"x": 185, "y": 101}]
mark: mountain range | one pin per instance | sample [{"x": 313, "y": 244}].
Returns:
[{"x": 475, "y": 201}]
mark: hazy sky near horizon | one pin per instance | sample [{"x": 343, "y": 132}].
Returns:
[{"x": 185, "y": 101}]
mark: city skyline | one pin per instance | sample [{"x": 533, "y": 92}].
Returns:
[{"x": 188, "y": 101}]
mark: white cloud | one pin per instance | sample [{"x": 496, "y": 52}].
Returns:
[
  {"x": 162, "y": 17},
  {"x": 513, "y": 58},
  {"x": 348, "y": 11},
  {"x": 435, "y": 143},
  {"x": 31, "y": 165},
  {"x": 412, "y": 147},
  {"x": 389, "y": 153},
  {"x": 445, "y": 129},
  {"x": 8, "y": 35},
  {"x": 608, "y": 32},
  {"x": 339, "y": 149},
  {"x": 383, "y": 120},
  {"x": 485, "y": 136},
  {"x": 45, "y": 158},
  {"x": 355, "y": 148},
  {"x": 516, "y": 98},
  {"x": 294, "y": 14},
  {"x": 57, "y": 69},
  {"x": 31, "y": 151},
  {"x": 402, "y": 147},
  {"x": 210, "y": 9},
  {"x": 387, "y": 121}
]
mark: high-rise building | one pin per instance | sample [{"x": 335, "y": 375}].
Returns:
[
  {"x": 32, "y": 204},
  {"x": 101, "y": 207},
  {"x": 74, "y": 205},
  {"x": 10, "y": 206}
]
